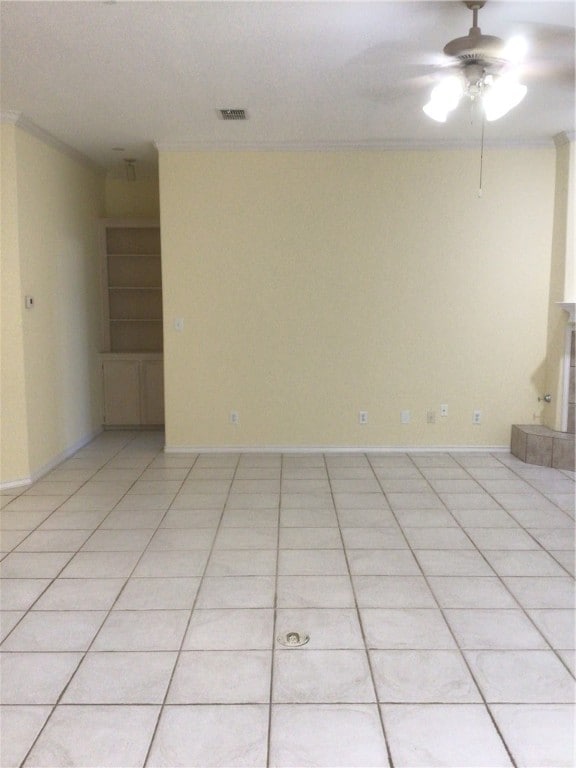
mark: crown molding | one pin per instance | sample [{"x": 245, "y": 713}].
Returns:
[
  {"x": 18, "y": 119},
  {"x": 564, "y": 137},
  {"x": 9, "y": 116},
  {"x": 569, "y": 307},
  {"x": 344, "y": 146}
]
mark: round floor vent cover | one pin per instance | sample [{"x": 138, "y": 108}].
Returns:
[{"x": 293, "y": 639}]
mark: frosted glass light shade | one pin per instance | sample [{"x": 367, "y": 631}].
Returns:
[
  {"x": 502, "y": 96},
  {"x": 444, "y": 98},
  {"x": 498, "y": 95}
]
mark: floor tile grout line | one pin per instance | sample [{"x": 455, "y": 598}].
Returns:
[
  {"x": 194, "y": 602},
  {"x": 497, "y": 575},
  {"x": 503, "y": 583},
  {"x": 27, "y": 488},
  {"x": 35, "y": 529},
  {"x": 545, "y": 549},
  {"x": 503, "y": 651},
  {"x": 527, "y": 480},
  {"x": 278, "y": 532},
  {"x": 108, "y": 613},
  {"x": 514, "y": 517},
  {"x": 522, "y": 479},
  {"x": 481, "y": 550},
  {"x": 462, "y": 655},
  {"x": 300, "y": 704},
  {"x": 83, "y": 653},
  {"x": 73, "y": 554},
  {"x": 146, "y": 549},
  {"x": 571, "y": 575},
  {"x": 361, "y": 625},
  {"x": 274, "y": 622},
  {"x": 112, "y": 457}
]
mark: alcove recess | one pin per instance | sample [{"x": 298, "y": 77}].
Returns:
[{"x": 132, "y": 323}]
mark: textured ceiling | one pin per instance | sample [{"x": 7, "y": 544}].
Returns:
[{"x": 129, "y": 74}]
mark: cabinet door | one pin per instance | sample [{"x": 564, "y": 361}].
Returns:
[
  {"x": 121, "y": 392},
  {"x": 152, "y": 392}
]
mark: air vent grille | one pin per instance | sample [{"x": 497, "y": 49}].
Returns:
[{"x": 232, "y": 114}]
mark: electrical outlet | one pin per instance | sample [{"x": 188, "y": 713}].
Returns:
[
  {"x": 477, "y": 417},
  {"x": 405, "y": 417},
  {"x": 430, "y": 417},
  {"x": 234, "y": 418},
  {"x": 363, "y": 417},
  {"x": 443, "y": 410}
]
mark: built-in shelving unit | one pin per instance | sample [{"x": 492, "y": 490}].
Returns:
[
  {"x": 132, "y": 322},
  {"x": 133, "y": 287}
]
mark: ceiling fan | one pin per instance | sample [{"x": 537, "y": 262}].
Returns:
[{"x": 485, "y": 73}]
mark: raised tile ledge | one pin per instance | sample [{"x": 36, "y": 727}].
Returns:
[{"x": 542, "y": 446}]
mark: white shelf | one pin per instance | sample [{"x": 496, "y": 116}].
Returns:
[
  {"x": 134, "y": 256},
  {"x": 132, "y": 287}
]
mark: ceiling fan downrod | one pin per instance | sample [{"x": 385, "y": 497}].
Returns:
[
  {"x": 483, "y": 74},
  {"x": 475, "y": 6},
  {"x": 476, "y": 47}
]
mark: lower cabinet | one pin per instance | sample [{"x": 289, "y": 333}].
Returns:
[
  {"x": 133, "y": 390},
  {"x": 152, "y": 392}
]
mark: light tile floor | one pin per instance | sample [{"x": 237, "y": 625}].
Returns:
[{"x": 142, "y": 597}]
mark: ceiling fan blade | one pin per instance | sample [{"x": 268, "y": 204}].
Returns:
[
  {"x": 402, "y": 89},
  {"x": 549, "y": 41},
  {"x": 550, "y": 53},
  {"x": 547, "y": 71}
]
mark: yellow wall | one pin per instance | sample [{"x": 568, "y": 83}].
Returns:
[
  {"x": 562, "y": 280},
  {"x": 14, "y": 460},
  {"x": 314, "y": 285},
  {"x": 132, "y": 199},
  {"x": 570, "y": 270},
  {"x": 58, "y": 203}
]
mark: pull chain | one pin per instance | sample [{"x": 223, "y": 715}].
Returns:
[{"x": 481, "y": 157}]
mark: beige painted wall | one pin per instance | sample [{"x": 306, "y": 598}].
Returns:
[
  {"x": 14, "y": 460},
  {"x": 562, "y": 280},
  {"x": 132, "y": 199},
  {"x": 315, "y": 285},
  {"x": 58, "y": 203}
]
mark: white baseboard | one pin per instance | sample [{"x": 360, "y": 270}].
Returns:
[
  {"x": 15, "y": 484},
  {"x": 50, "y": 465},
  {"x": 180, "y": 449}
]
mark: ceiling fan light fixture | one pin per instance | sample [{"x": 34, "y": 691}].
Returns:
[
  {"x": 435, "y": 111},
  {"x": 515, "y": 49},
  {"x": 504, "y": 94},
  {"x": 444, "y": 98},
  {"x": 484, "y": 62}
]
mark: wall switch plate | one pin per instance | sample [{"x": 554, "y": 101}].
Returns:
[
  {"x": 234, "y": 417},
  {"x": 430, "y": 417},
  {"x": 443, "y": 410},
  {"x": 477, "y": 417},
  {"x": 29, "y": 302},
  {"x": 363, "y": 417},
  {"x": 179, "y": 324},
  {"x": 405, "y": 417}
]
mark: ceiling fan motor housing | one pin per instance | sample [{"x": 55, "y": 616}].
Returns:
[
  {"x": 482, "y": 64},
  {"x": 486, "y": 51},
  {"x": 476, "y": 48}
]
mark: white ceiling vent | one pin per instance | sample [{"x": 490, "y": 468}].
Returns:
[{"x": 232, "y": 114}]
